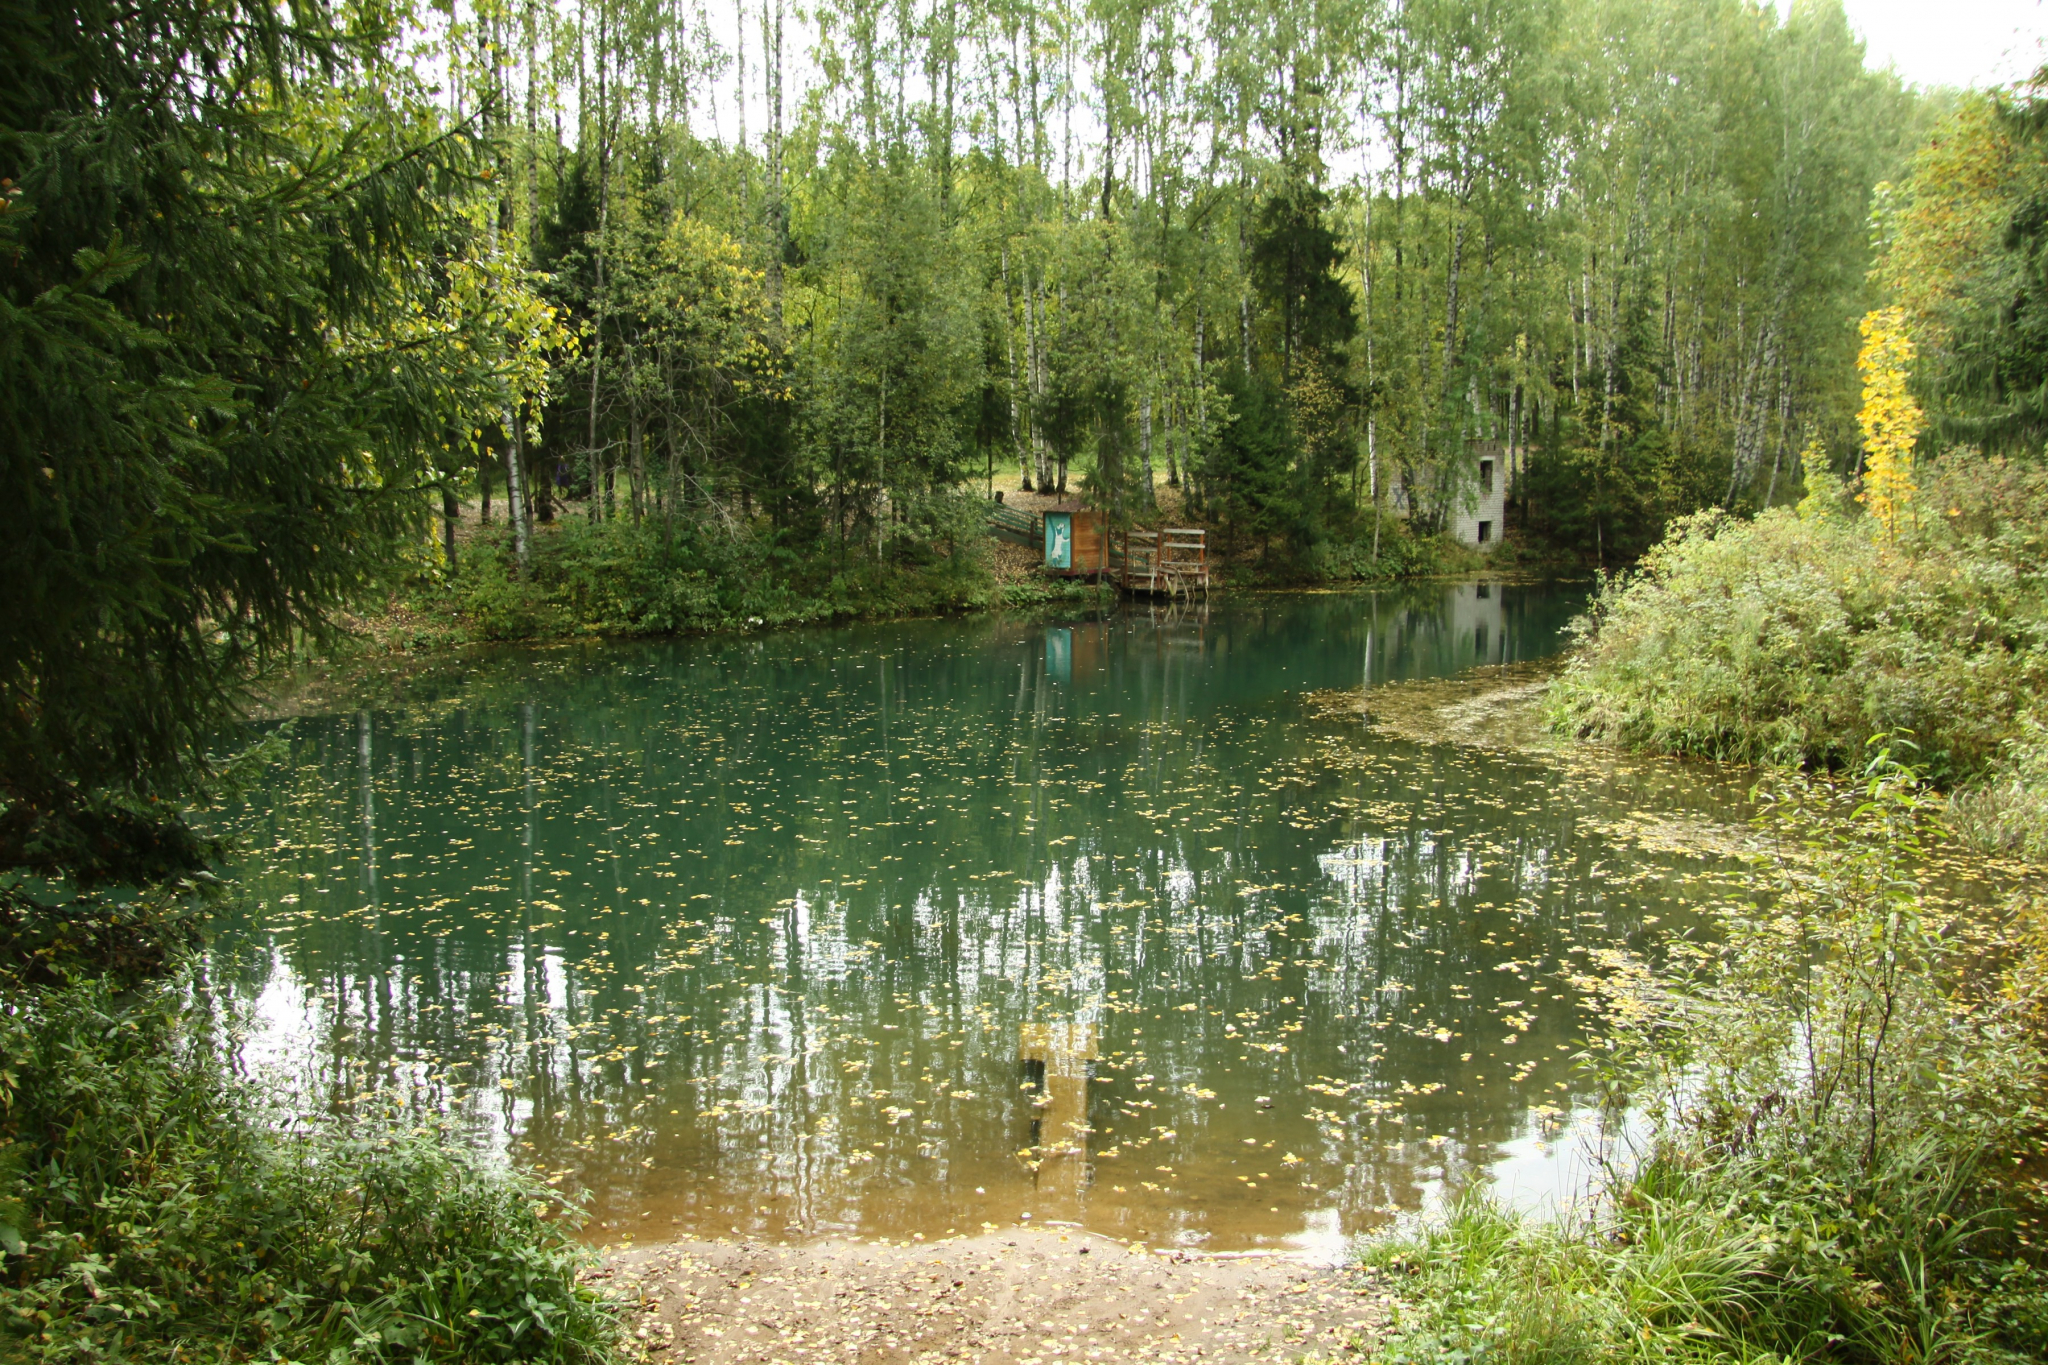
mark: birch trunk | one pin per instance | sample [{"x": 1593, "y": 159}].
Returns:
[{"x": 515, "y": 486}]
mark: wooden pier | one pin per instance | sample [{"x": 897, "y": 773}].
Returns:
[
  {"x": 1172, "y": 561},
  {"x": 1077, "y": 542}
]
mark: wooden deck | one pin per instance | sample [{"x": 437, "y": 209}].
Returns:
[{"x": 1170, "y": 562}]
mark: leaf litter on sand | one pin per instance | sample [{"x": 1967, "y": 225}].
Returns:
[{"x": 1015, "y": 1296}]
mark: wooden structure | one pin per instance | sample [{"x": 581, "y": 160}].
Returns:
[
  {"x": 1014, "y": 524},
  {"x": 1057, "y": 1061},
  {"x": 1077, "y": 542},
  {"x": 1170, "y": 562}
]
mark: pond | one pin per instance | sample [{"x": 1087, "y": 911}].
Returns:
[{"x": 914, "y": 929}]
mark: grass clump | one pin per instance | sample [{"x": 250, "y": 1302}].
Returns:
[
  {"x": 1796, "y": 637},
  {"x": 1843, "y": 1099},
  {"x": 153, "y": 1208}
]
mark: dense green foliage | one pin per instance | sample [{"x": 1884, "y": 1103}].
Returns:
[
  {"x": 660, "y": 578},
  {"x": 245, "y": 300},
  {"x": 150, "y": 1205},
  {"x": 1841, "y": 1100},
  {"x": 826, "y": 264},
  {"x": 1962, "y": 239},
  {"x": 1796, "y": 637},
  {"x": 222, "y": 373}
]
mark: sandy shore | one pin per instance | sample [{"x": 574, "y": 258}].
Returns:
[{"x": 1025, "y": 1296}]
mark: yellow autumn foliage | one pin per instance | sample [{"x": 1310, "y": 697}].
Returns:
[{"x": 1890, "y": 420}]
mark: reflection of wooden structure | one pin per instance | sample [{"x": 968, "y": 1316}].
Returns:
[
  {"x": 1073, "y": 652},
  {"x": 1170, "y": 562},
  {"x": 1057, "y": 1062}
]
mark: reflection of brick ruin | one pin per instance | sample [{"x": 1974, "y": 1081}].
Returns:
[{"x": 1057, "y": 1061}]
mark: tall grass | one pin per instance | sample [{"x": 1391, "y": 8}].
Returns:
[
  {"x": 1845, "y": 1098},
  {"x": 152, "y": 1208}
]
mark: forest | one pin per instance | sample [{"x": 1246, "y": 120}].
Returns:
[
  {"x": 605, "y": 318},
  {"x": 821, "y": 274}
]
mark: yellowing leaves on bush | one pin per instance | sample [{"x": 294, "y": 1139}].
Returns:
[{"x": 1891, "y": 421}]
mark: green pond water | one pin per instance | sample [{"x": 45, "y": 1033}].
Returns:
[{"x": 912, "y": 929}]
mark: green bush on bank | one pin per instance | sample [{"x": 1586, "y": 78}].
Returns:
[
  {"x": 1841, "y": 1104},
  {"x": 662, "y": 576},
  {"x": 1796, "y": 637},
  {"x": 153, "y": 1208},
  {"x": 686, "y": 575}
]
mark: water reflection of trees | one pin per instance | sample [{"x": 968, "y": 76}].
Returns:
[{"x": 731, "y": 926}]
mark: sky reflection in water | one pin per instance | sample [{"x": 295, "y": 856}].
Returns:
[{"x": 905, "y": 929}]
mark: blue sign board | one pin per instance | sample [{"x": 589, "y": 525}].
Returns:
[{"x": 1059, "y": 540}]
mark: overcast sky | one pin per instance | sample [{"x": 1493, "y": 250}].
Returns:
[
  {"x": 1929, "y": 42},
  {"x": 1951, "y": 42}
]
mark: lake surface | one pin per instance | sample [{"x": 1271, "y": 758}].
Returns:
[{"x": 911, "y": 929}]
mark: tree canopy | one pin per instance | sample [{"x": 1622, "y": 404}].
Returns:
[
  {"x": 1628, "y": 239},
  {"x": 243, "y": 298}
]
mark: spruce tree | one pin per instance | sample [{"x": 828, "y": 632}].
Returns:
[{"x": 220, "y": 219}]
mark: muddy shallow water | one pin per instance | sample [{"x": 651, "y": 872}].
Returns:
[{"x": 1128, "y": 922}]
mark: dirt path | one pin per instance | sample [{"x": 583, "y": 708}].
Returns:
[{"x": 1028, "y": 1296}]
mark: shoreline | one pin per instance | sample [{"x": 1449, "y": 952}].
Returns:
[
  {"x": 1017, "y": 1296},
  {"x": 373, "y": 643}
]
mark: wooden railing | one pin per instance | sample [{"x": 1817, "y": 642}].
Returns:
[
  {"x": 1173, "y": 561},
  {"x": 1013, "y": 523}
]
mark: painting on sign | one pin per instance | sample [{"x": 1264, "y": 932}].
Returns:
[{"x": 1059, "y": 540}]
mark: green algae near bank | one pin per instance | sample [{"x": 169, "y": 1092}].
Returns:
[{"x": 902, "y": 930}]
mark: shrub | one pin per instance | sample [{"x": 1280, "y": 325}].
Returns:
[
  {"x": 152, "y": 1208},
  {"x": 1796, "y": 637},
  {"x": 661, "y": 576}
]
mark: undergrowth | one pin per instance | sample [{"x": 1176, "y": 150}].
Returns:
[
  {"x": 665, "y": 576},
  {"x": 1796, "y": 637},
  {"x": 153, "y": 1207},
  {"x": 1844, "y": 1105},
  {"x": 687, "y": 576}
]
